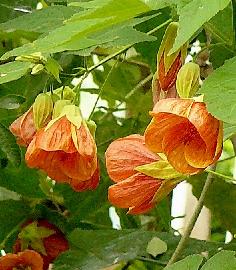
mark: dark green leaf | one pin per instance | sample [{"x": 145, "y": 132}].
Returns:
[
  {"x": 220, "y": 85},
  {"x": 11, "y": 102},
  {"x": 189, "y": 263},
  {"x": 9, "y": 146}
]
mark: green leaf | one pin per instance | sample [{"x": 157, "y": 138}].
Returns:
[
  {"x": 9, "y": 146},
  {"x": 12, "y": 213},
  {"x": 13, "y": 71},
  {"x": 220, "y": 85},
  {"x": 41, "y": 21},
  {"x": 76, "y": 33},
  {"x": 229, "y": 130},
  {"x": 221, "y": 26},
  {"x": 23, "y": 180},
  {"x": 156, "y": 246},
  {"x": 189, "y": 263},
  {"x": 11, "y": 102},
  {"x": 193, "y": 15},
  {"x": 224, "y": 260},
  {"x": 159, "y": 169},
  {"x": 112, "y": 246},
  {"x": 53, "y": 68}
]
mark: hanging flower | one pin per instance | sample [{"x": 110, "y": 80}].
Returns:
[
  {"x": 43, "y": 237},
  {"x": 134, "y": 190},
  {"x": 189, "y": 136},
  {"x": 28, "y": 259},
  {"x": 23, "y": 128},
  {"x": 65, "y": 149}
]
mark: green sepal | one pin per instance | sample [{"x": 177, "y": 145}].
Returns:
[
  {"x": 32, "y": 236},
  {"x": 160, "y": 169},
  {"x": 58, "y": 107},
  {"x": 92, "y": 127},
  {"x": 37, "y": 68},
  {"x": 42, "y": 110},
  {"x": 65, "y": 93},
  {"x": 188, "y": 80}
]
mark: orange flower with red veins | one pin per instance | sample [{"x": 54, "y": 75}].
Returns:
[
  {"x": 189, "y": 136},
  {"x": 43, "y": 237},
  {"x": 133, "y": 190},
  {"x": 23, "y": 128},
  {"x": 27, "y": 259},
  {"x": 64, "y": 149}
]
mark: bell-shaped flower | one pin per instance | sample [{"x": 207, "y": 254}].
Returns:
[
  {"x": 24, "y": 128},
  {"x": 28, "y": 259},
  {"x": 65, "y": 149},
  {"x": 188, "y": 135},
  {"x": 133, "y": 189}
]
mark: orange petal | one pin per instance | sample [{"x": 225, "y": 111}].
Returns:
[
  {"x": 207, "y": 126},
  {"x": 124, "y": 154},
  {"x": 23, "y": 128},
  {"x": 174, "y": 146},
  {"x": 167, "y": 79},
  {"x": 135, "y": 191},
  {"x": 141, "y": 209},
  {"x": 86, "y": 143},
  {"x": 176, "y": 106},
  {"x": 32, "y": 259},
  {"x": 90, "y": 184},
  {"x": 56, "y": 137},
  {"x": 9, "y": 261},
  {"x": 159, "y": 126}
]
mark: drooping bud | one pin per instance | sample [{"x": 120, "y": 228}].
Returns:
[
  {"x": 42, "y": 110},
  {"x": 188, "y": 78},
  {"x": 168, "y": 65},
  {"x": 92, "y": 127}
]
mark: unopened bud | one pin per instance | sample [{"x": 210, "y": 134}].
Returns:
[
  {"x": 37, "y": 69},
  {"x": 168, "y": 65},
  {"x": 42, "y": 110},
  {"x": 65, "y": 93},
  {"x": 188, "y": 78}
]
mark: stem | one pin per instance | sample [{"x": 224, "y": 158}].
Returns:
[
  {"x": 222, "y": 175},
  {"x": 15, "y": 229},
  {"x": 101, "y": 91},
  {"x": 183, "y": 241}
]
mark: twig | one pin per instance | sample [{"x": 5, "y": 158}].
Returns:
[{"x": 183, "y": 241}]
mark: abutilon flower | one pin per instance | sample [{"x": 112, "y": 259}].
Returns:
[
  {"x": 133, "y": 190},
  {"x": 43, "y": 237},
  {"x": 189, "y": 136},
  {"x": 24, "y": 128},
  {"x": 28, "y": 259},
  {"x": 66, "y": 150}
]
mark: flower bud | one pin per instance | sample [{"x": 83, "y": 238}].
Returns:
[
  {"x": 65, "y": 93},
  {"x": 168, "y": 65},
  {"x": 42, "y": 110},
  {"x": 37, "y": 68},
  {"x": 187, "y": 82}
]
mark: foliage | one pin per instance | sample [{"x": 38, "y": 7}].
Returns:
[{"x": 106, "y": 51}]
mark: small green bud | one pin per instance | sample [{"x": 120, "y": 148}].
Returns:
[
  {"x": 42, "y": 110},
  {"x": 58, "y": 107},
  {"x": 188, "y": 78},
  {"x": 37, "y": 68},
  {"x": 33, "y": 58}
]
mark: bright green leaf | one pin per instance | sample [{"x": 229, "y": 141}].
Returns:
[
  {"x": 189, "y": 263},
  {"x": 156, "y": 246},
  {"x": 6, "y": 194},
  {"x": 224, "y": 260},
  {"x": 9, "y": 146},
  {"x": 229, "y": 130},
  {"x": 220, "y": 85},
  {"x": 193, "y": 15},
  {"x": 13, "y": 71}
]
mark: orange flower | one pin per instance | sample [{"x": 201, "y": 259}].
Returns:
[
  {"x": 23, "y": 128},
  {"x": 132, "y": 190},
  {"x": 65, "y": 150},
  {"x": 189, "y": 136},
  {"x": 23, "y": 260}
]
